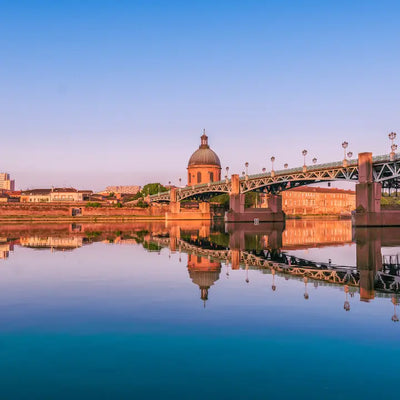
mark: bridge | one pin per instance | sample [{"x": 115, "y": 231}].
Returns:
[{"x": 371, "y": 175}]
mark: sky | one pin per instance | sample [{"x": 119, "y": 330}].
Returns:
[{"x": 98, "y": 93}]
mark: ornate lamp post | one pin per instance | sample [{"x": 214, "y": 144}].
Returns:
[
  {"x": 243, "y": 173},
  {"x": 272, "y": 166},
  {"x": 345, "y": 145},
  {"x": 314, "y": 160},
  {"x": 227, "y": 170},
  {"x": 304, "y": 152},
  {"x": 285, "y": 165},
  {"x": 180, "y": 181},
  {"x": 393, "y": 147},
  {"x": 246, "y": 164},
  {"x": 350, "y": 154},
  {"x": 264, "y": 170}
]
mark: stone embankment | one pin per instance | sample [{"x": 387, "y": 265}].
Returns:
[{"x": 74, "y": 212}]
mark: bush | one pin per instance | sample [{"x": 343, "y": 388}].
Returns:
[{"x": 93, "y": 204}]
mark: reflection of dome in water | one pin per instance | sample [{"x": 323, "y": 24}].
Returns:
[{"x": 203, "y": 273}]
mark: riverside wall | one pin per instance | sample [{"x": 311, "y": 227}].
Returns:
[{"x": 54, "y": 211}]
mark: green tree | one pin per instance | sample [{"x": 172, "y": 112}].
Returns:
[{"x": 153, "y": 188}]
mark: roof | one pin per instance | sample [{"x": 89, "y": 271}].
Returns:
[
  {"x": 204, "y": 155},
  {"x": 36, "y": 192},
  {"x": 313, "y": 189}
]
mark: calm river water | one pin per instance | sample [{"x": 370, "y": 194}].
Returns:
[{"x": 190, "y": 310}]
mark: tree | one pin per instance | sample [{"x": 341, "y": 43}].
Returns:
[{"x": 153, "y": 188}]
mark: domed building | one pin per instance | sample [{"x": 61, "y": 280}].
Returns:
[{"x": 204, "y": 165}]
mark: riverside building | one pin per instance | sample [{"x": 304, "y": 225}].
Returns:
[
  {"x": 6, "y": 183},
  {"x": 204, "y": 165}
]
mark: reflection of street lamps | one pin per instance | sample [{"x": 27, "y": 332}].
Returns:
[
  {"x": 395, "y": 318},
  {"x": 304, "y": 152},
  {"x": 273, "y": 279},
  {"x": 306, "y": 296},
  {"x": 247, "y": 273},
  {"x": 346, "y": 305}
]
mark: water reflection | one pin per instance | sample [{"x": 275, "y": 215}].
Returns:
[{"x": 305, "y": 250}]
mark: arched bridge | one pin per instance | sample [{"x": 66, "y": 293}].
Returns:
[{"x": 385, "y": 170}]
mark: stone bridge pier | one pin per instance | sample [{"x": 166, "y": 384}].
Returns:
[
  {"x": 176, "y": 212},
  {"x": 238, "y": 213},
  {"x": 368, "y": 198}
]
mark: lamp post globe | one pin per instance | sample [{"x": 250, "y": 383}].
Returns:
[
  {"x": 246, "y": 164},
  {"x": 285, "y": 165},
  {"x": 314, "y": 160}
]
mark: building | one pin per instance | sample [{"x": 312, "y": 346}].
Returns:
[
  {"x": 6, "y": 183},
  {"x": 123, "y": 189},
  {"x": 204, "y": 165},
  {"x": 318, "y": 201},
  {"x": 54, "y": 195}
]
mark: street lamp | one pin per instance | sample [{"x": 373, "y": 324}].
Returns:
[
  {"x": 285, "y": 165},
  {"x": 350, "y": 154},
  {"x": 247, "y": 167},
  {"x": 393, "y": 152},
  {"x": 243, "y": 173},
  {"x": 345, "y": 145},
  {"x": 180, "y": 181},
  {"x": 272, "y": 166},
  {"x": 314, "y": 160},
  {"x": 227, "y": 171},
  {"x": 304, "y": 152},
  {"x": 264, "y": 170},
  {"x": 392, "y": 136}
]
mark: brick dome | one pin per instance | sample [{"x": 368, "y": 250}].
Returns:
[{"x": 204, "y": 155}]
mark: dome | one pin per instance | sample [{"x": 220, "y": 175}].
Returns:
[{"x": 204, "y": 155}]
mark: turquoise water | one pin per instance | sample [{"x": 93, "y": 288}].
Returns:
[{"x": 116, "y": 321}]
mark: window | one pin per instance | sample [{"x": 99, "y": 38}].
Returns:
[
  {"x": 199, "y": 177},
  {"x": 190, "y": 179},
  {"x": 211, "y": 176}
]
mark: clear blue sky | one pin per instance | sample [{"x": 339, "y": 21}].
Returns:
[{"x": 94, "y": 93}]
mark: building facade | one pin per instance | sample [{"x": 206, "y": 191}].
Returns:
[
  {"x": 6, "y": 183},
  {"x": 318, "y": 201},
  {"x": 53, "y": 195},
  {"x": 204, "y": 165},
  {"x": 123, "y": 189}
]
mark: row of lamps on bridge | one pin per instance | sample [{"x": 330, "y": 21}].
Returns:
[{"x": 346, "y": 157}]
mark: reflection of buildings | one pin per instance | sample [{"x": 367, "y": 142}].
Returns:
[
  {"x": 56, "y": 243},
  {"x": 203, "y": 273},
  {"x": 316, "y": 200},
  {"x": 306, "y": 233},
  {"x": 5, "y": 249}
]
